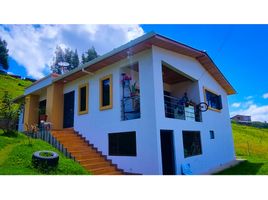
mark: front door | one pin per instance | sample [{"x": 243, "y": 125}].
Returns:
[
  {"x": 167, "y": 149},
  {"x": 68, "y": 112}
]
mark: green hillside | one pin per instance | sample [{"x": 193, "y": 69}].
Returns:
[
  {"x": 14, "y": 86},
  {"x": 252, "y": 144},
  {"x": 16, "y": 157}
]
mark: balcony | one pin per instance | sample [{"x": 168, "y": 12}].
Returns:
[
  {"x": 181, "y": 94},
  {"x": 176, "y": 109}
]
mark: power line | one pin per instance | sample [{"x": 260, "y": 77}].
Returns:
[{"x": 224, "y": 41}]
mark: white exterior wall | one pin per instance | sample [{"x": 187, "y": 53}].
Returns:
[
  {"x": 96, "y": 125},
  {"x": 214, "y": 152}
]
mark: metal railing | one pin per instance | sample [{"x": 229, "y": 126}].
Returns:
[
  {"x": 130, "y": 107},
  {"x": 174, "y": 108},
  {"x": 44, "y": 134}
]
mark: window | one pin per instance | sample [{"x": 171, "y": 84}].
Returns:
[
  {"x": 83, "y": 99},
  {"x": 212, "y": 135},
  {"x": 191, "y": 143},
  {"x": 106, "y": 96},
  {"x": 122, "y": 144},
  {"x": 213, "y": 100}
]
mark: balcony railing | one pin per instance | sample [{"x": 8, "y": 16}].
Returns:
[
  {"x": 175, "y": 109},
  {"x": 130, "y": 107}
]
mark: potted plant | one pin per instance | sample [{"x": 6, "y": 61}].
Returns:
[
  {"x": 134, "y": 90},
  {"x": 134, "y": 93}
]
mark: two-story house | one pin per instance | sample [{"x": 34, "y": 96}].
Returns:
[{"x": 140, "y": 106}]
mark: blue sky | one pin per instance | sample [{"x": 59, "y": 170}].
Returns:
[{"x": 238, "y": 50}]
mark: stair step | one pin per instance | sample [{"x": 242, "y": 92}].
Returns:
[
  {"x": 94, "y": 165},
  {"x": 87, "y": 156},
  {"x": 72, "y": 142},
  {"x": 102, "y": 170},
  {"x": 85, "y": 153},
  {"x": 72, "y": 137},
  {"x": 112, "y": 173},
  {"x": 90, "y": 159},
  {"x": 71, "y": 147},
  {"x": 63, "y": 132},
  {"x": 67, "y": 136},
  {"x": 75, "y": 145}
]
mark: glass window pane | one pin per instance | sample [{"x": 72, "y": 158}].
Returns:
[
  {"x": 83, "y": 98},
  {"x": 122, "y": 144},
  {"x": 106, "y": 92},
  {"x": 213, "y": 100},
  {"x": 191, "y": 143}
]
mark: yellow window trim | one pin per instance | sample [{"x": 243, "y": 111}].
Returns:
[
  {"x": 205, "y": 98},
  {"x": 110, "y": 77},
  {"x": 79, "y": 99}
]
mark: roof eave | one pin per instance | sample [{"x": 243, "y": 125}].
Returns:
[{"x": 153, "y": 37}]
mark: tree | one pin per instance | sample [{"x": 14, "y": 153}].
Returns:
[
  {"x": 75, "y": 60},
  {"x": 58, "y": 57},
  {"x": 70, "y": 58},
  {"x": 9, "y": 112},
  {"x": 90, "y": 54},
  {"x": 3, "y": 54},
  {"x": 67, "y": 56},
  {"x": 83, "y": 59}
]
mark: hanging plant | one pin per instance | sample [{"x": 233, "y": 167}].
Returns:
[{"x": 126, "y": 79}]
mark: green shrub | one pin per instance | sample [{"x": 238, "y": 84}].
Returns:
[{"x": 11, "y": 133}]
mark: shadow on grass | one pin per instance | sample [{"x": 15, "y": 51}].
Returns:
[{"x": 244, "y": 168}]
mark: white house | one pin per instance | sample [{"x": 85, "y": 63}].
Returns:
[{"x": 132, "y": 104}]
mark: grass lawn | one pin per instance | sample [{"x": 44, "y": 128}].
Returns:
[
  {"x": 16, "y": 157},
  {"x": 252, "y": 144}
]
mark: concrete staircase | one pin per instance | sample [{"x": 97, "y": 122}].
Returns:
[{"x": 85, "y": 153}]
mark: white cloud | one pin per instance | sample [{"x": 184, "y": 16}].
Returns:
[
  {"x": 236, "y": 105},
  {"x": 265, "y": 96},
  {"x": 33, "y": 46},
  {"x": 257, "y": 113},
  {"x": 247, "y": 104},
  {"x": 249, "y": 97}
]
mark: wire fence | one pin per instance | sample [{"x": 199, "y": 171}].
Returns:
[{"x": 45, "y": 135}]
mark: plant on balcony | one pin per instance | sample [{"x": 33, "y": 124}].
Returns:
[
  {"x": 134, "y": 91},
  {"x": 126, "y": 79}
]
